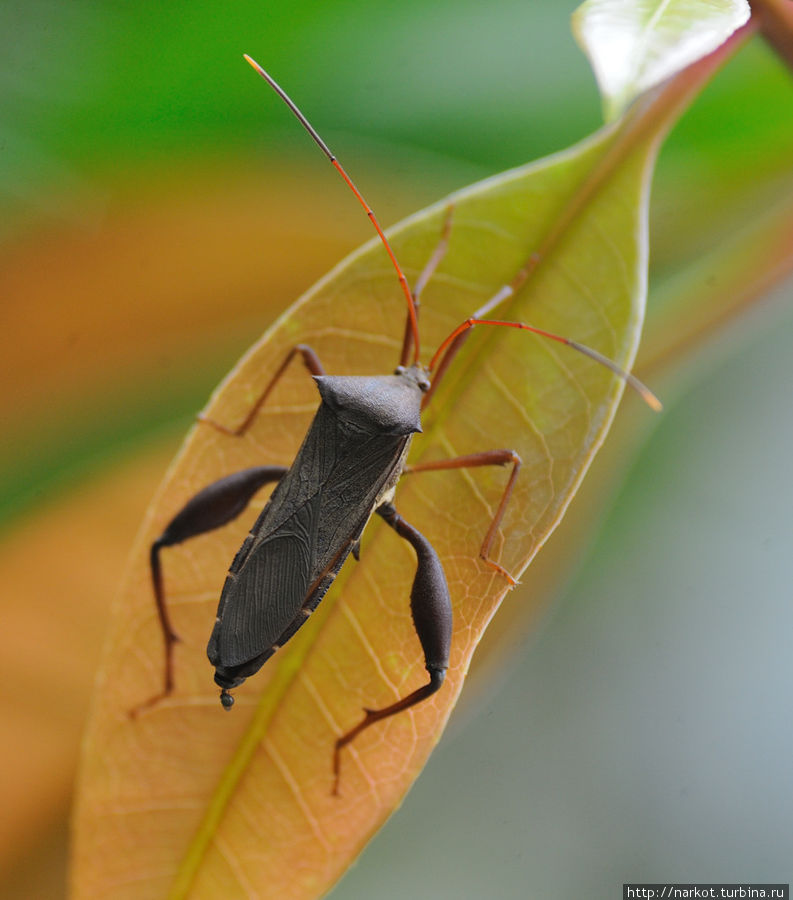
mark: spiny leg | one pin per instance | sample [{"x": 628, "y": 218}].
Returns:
[
  {"x": 472, "y": 460},
  {"x": 431, "y": 608},
  {"x": 310, "y": 361},
  {"x": 214, "y": 506}
]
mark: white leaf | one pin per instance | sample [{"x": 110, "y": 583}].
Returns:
[{"x": 635, "y": 44}]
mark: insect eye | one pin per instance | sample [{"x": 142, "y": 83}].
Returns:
[{"x": 400, "y": 370}]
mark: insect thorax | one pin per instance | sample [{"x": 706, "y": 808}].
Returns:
[{"x": 384, "y": 404}]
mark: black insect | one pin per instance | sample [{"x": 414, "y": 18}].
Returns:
[{"x": 345, "y": 471}]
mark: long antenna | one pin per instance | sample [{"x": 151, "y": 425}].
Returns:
[
  {"x": 414, "y": 327},
  {"x": 447, "y": 347}
]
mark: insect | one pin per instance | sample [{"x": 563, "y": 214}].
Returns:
[{"x": 345, "y": 472}]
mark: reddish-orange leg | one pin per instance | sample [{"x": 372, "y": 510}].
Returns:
[
  {"x": 310, "y": 361},
  {"x": 472, "y": 460}
]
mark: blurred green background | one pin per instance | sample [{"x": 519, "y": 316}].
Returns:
[{"x": 643, "y": 733}]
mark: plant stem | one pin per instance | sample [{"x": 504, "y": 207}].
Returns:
[{"x": 775, "y": 20}]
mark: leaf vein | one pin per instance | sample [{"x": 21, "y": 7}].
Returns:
[{"x": 289, "y": 778}]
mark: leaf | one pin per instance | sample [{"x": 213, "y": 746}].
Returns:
[
  {"x": 634, "y": 45},
  {"x": 187, "y": 799}
]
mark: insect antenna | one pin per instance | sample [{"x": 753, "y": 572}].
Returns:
[
  {"x": 450, "y": 346},
  {"x": 412, "y": 317}
]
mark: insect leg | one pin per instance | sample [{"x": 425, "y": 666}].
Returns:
[
  {"x": 485, "y": 458},
  {"x": 421, "y": 282},
  {"x": 215, "y": 505},
  {"x": 503, "y": 293},
  {"x": 310, "y": 361},
  {"x": 431, "y": 608}
]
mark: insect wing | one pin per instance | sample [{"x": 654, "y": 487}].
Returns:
[{"x": 269, "y": 590}]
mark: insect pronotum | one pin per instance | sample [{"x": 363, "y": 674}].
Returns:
[{"x": 345, "y": 471}]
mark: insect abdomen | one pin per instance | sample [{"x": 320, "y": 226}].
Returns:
[{"x": 301, "y": 539}]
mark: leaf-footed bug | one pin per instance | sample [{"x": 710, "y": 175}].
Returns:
[{"x": 345, "y": 471}]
